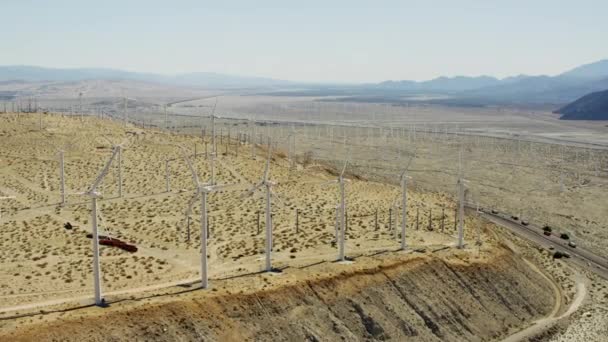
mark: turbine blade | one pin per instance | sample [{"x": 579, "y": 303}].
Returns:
[
  {"x": 219, "y": 187},
  {"x": 252, "y": 190},
  {"x": 278, "y": 198},
  {"x": 325, "y": 183},
  {"x": 107, "y": 139},
  {"x": 190, "y": 166}
]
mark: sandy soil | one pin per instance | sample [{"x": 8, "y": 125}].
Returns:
[
  {"x": 41, "y": 260},
  {"x": 558, "y": 184}
]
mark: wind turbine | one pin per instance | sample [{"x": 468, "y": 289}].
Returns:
[
  {"x": 461, "y": 192},
  {"x": 93, "y": 194},
  {"x": 213, "y": 143},
  {"x": 341, "y": 212},
  {"x": 117, "y": 147},
  {"x": 125, "y": 102},
  {"x": 403, "y": 180},
  {"x": 291, "y": 146},
  {"x": 202, "y": 190},
  {"x": 267, "y": 184},
  {"x": 60, "y": 151},
  {"x": 252, "y": 137}
]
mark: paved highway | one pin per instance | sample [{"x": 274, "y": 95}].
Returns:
[{"x": 531, "y": 232}]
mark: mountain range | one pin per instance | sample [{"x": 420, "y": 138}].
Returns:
[
  {"x": 195, "y": 79},
  {"x": 561, "y": 88},
  {"x": 460, "y": 90}
]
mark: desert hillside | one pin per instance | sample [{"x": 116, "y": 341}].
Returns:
[
  {"x": 46, "y": 261},
  {"x": 433, "y": 290}
]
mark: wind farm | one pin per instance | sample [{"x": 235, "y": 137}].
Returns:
[
  {"x": 319, "y": 171},
  {"x": 281, "y": 206}
]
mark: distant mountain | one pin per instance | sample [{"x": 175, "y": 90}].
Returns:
[
  {"x": 590, "y": 71},
  {"x": 521, "y": 89},
  {"x": 449, "y": 84},
  {"x": 593, "y": 106},
  {"x": 198, "y": 79},
  {"x": 460, "y": 90}
]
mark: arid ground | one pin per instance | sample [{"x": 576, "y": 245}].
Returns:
[{"x": 43, "y": 262}]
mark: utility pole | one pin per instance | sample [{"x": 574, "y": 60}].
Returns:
[
  {"x": 167, "y": 180},
  {"x": 119, "y": 171},
  {"x": 460, "y": 213},
  {"x": 460, "y": 243},
  {"x": 62, "y": 177},
  {"x": 166, "y": 118},
  {"x": 213, "y": 144},
  {"x": 80, "y": 105},
  {"x": 268, "y": 230},
  {"x": 342, "y": 220},
  {"x": 404, "y": 210}
]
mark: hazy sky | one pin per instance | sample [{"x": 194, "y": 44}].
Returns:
[{"x": 308, "y": 40}]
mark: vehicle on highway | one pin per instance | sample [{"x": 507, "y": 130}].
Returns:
[
  {"x": 524, "y": 222},
  {"x": 560, "y": 254},
  {"x": 547, "y": 233},
  {"x": 572, "y": 244},
  {"x": 494, "y": 211}
]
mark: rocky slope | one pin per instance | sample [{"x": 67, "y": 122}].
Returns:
[{"x": 440, "y": 296}]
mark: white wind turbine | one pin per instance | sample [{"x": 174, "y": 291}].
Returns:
[
  {"x": 125, "y": 103},
  {"x": 252, "y": 137},
  {"x": 267, "y": 184},
  {"x": 93, "y": 194},
  {"x": 341, "y": 212},
  {"x": 118, "y": 148},
  {"x": 291, "y": 146},
  {"x": 403, "y": 180},
  {"x": 213, "y": 143},
  {"x": 202, "y": 190},
  {"x": 461, "y": 188},
  {"x": 60, "y": 152}
]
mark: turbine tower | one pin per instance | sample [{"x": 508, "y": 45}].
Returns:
[
  {"x": 93, "y": 194},
  {"x": 267, "y": 185},
  {"x": 403, "y": 178},
  {"x": 202, "y": 190}
]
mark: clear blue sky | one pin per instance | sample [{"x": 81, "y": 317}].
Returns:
[{"x": 311, "y": 40}]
